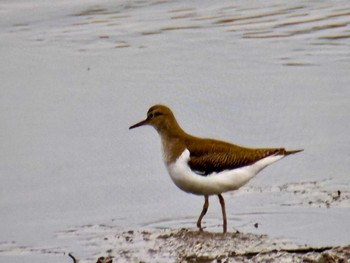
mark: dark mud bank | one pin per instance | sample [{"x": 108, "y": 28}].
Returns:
[{"x": 185, "y": 245}]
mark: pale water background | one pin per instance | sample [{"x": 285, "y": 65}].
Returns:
[{"x": 76, "y": 74}]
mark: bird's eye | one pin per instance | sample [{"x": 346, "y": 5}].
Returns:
[{"x": 153, "y": 115}]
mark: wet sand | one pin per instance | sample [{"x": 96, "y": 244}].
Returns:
[{"x": 186, "y": 245}]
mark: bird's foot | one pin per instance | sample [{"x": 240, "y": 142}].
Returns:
[{"x": 200, "y": 228}]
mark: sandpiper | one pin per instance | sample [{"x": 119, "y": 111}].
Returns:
[{"x": 207, "y": 166}]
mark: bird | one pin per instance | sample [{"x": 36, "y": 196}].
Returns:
[{"x": 204, "y": 166}]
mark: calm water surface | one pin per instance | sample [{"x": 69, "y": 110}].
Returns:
[{"x": 76, "y": 75}]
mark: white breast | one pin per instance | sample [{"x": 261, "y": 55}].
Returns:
[{"x": 215, "y": 183}]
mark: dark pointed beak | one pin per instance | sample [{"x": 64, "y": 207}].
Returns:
[{"x": 144, "y": 122}]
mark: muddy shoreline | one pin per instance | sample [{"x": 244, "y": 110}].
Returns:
[
  {"x": 106, "y": 244},
  {"x": 186, "y": 245}
]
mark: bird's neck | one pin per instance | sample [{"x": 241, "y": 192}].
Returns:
[
  {"x": 170, "y": 130},
  {"x": 173, "y": 140}
]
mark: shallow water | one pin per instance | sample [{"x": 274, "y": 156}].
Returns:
[{"x": 76, "y": 75}]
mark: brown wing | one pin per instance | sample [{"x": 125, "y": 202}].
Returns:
[{"x": 220, "y": 156}]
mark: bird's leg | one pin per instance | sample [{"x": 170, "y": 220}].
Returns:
[
  {"x": 204, "y": 211},
  {"x": 222, "y": 203}
]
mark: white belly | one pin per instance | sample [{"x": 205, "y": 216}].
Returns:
[{"x": 215, "y": 183}]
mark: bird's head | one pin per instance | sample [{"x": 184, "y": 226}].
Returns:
[{"x": 158, "y": 116}]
